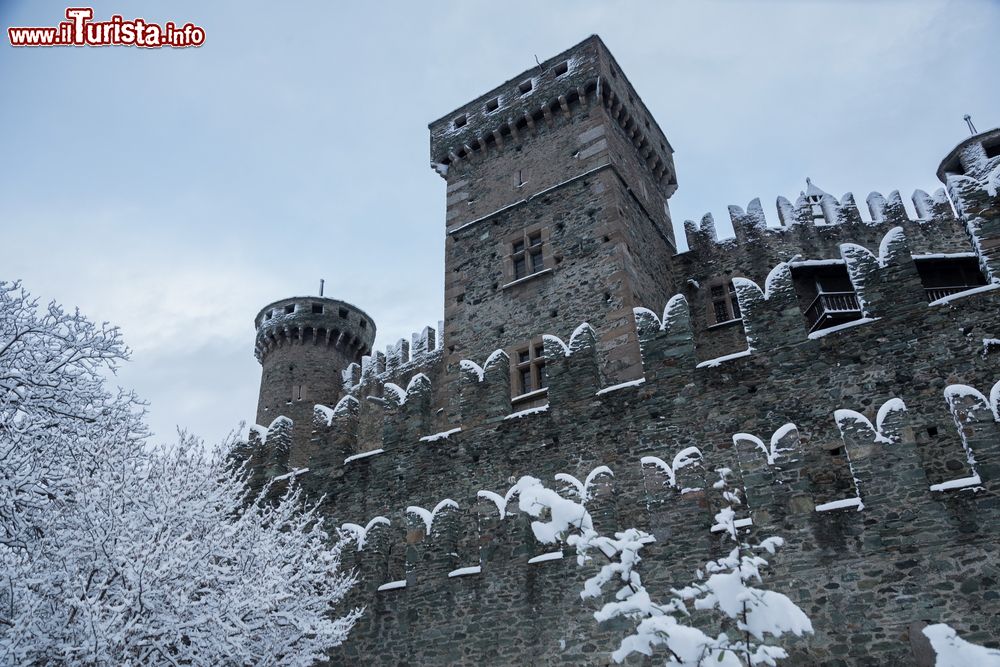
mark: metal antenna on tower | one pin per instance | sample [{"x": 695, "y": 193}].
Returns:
[
  {"x": 968, "y": 119},
  {"x": 321, "y": 281}
]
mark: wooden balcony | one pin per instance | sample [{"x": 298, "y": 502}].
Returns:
[
  {"x": 832, "y": 308},
  {"x": 935, "y": 293}
]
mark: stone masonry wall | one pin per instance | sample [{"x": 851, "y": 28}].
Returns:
[{"x": 890, "y": 554}]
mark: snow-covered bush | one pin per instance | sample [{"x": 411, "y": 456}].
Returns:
[
  {"x": 114, "y": 552},
  {"x": 749, "y": 614}
]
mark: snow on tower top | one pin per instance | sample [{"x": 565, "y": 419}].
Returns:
[{"x": 812, "y": 191}]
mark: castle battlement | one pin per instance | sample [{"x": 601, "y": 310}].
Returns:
[
  {"x": 584, "y": 75},
  {"x": 314, "y": 320},
  {"x": 822, "y": 210},
  {"x": 843, "y": 367}
]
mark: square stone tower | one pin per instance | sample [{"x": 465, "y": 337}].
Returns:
[{"x": 558, "y": 182}]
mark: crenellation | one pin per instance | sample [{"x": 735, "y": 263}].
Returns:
[
  {"x": 485, "y": 390},
  {"x": 772, "y": 316},
  {"x": 932, "y": 207},
  {"x": 829, "y": 363},
  {"x": 886, "y": 282},
  {"x": 701, "y": 233},
  {"x": 888, "y": 210}
]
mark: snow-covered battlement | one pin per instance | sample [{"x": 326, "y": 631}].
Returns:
[
  {"x": 400, "y": 360},
  {"x": 815, "y": 208},
  {"x": 404, "y": 419},
  {"x": 487, "y": 534},
  {"x": 313, "y": 320}
]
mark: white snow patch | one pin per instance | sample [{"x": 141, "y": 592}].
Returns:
[
  {"x": 324, "y": 413},
  {"x": 363, "y": 455},
  {"x": 428, "y": 515},
  {"x": 497, "y": 499},
  {"x": 683, "y": 458},
  {"x": 552, "y": 555},
  {"x": 738, "y": 523},
  {"x": 953, "y": 651},
  {"x": 962, "y": 483},
  {"x": 841, "y": 504},
  {"x": 969, "y": 292},
  {"x": 712, "y": 363},
  {"x": 360, "y": 533},
  {"x": 529, "y": 411},
  {"x": 945, "y": 255},
  {"x": 393, "y": 585},
  {"x": 526, "y": 278},
  {"x": 623, "y": 385},
  {"x": 443, "y": 435},
  {"x": 582, "y": 489},
  {"x": 816, "y": 262},
  {"x": 290, "y": 475},
  {"x": 463, "y": 571},
  {"x": 892, "y": 405},
  {"x": 840, "y": 327},
  {"x": 469, "y": 365}
]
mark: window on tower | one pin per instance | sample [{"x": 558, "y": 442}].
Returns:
[
  {"x": 527, "y": 255},
  {"x": 529, "y": 380},
  {"x": 725, "y": 307}
]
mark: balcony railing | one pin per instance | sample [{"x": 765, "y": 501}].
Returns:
[
  {"x": 829, "y": 307},
  {"x": 935, "y": 293}
]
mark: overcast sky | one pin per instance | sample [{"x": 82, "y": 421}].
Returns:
[{"x": 175, "y": 192}]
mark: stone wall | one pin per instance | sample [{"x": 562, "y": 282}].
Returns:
[{"x": 893, "y": 554}]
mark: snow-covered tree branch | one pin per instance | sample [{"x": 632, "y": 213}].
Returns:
[
  {"x": 751, "y": 617},
  {"x": 112, "y": 551}
]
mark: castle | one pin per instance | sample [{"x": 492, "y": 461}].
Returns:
[{"x": 846, "y": 368}]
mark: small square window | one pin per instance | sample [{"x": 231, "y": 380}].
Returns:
[
  {"x": 527, "y": 255},
  {"x": 364, "y": 324},
  {"x": 461, "y": 121},
  {"x": 290, "y": 309},
  {"x": 525, "y": 87},
  {"x": 562, "y": 68},
  {"x": 493, "y": 105},
  {"x": 317, "y": 309},
  {"x": 342, "y": 313},
  {"x": 992, "y": 150}
]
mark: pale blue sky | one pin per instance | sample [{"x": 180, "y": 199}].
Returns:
[{"x": 175, "y": 192}]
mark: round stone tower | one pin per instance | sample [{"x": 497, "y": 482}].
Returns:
[{"x": 303, "y": 344}]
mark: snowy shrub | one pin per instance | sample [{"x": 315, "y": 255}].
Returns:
[
  {"x": 753, "y": 617},
  {"x": 115, "y": 552}
]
